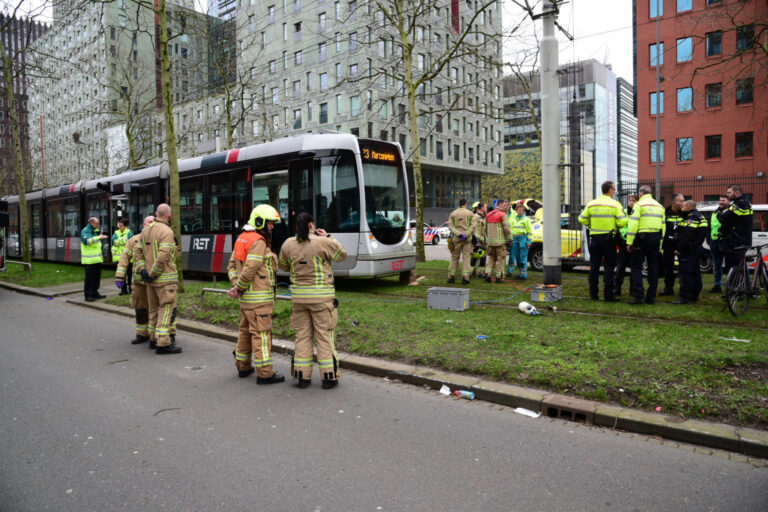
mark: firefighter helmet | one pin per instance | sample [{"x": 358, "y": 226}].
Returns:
[
  {"x": 261, "y": 214},
  {"x": 478, "y": 253}
]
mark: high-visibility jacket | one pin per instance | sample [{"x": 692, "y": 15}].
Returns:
[
  {"x": 691, "y": 231},
  {"x": 478, "y": 227},
  {"x": 521, "y": 226},
  {"x": 119, "y": 239},
  {"x": 252, "y": 270},
  {"x": 714, "y": 224},
  {"x": 460, "y": 222},
  {"x": 90, "y": 246},
  {"x": 623, "y": 229},
  {"x": 309, "y": 262},
  {"x": 603, "y": 216},
  {"x": 127, "y": 257},
  {"x": 157, "y": 254},
  {"x": 647, "y": 217},
  {"x": 736, "y": 223},
  {"x": 671, "y": 220},
  {"x": 497, "y": 230}
]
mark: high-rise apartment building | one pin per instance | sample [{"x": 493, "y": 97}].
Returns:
[{"x": 712, "y": 98}]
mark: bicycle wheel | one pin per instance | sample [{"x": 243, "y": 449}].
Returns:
[
  {"x": 764, "y": 279},
  {"x": 736, "y": 295}
]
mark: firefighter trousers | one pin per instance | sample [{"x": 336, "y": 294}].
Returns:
[
  {"x": 141, "y": 306},
  {"x": 254, "y": 341},
  {"x": 315, "y": 322},
  {"x": 497, "y": 260},
  {"x": 162, "y": 312},
  {"x": 461, "y": 250}
]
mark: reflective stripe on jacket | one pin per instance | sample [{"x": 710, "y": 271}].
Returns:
[
  {"x": 692, "y": 231},
  {"x": 603, "y": 216},
  {"x": 460, "y": 222},
  {"x": 90, "y": 246},
  {"x": 521, "y": 226},
  {"x": 157, "y": 253},
  {"x": 119, "y": 240},
  {"x": 252, "y": 269},
  {"x": 126, "y": 257},
  {"x": 497, "y": 230},
  {"x": 736, "y": 223},
  {"x": 309, "y": 262},
  {"x": 647, "y": 217}
]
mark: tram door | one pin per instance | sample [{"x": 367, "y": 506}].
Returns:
[
  {"x": 272, "y": 188},
  {"x": 301, "y": 189}
]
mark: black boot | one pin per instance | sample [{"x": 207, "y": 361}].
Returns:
[
  {"x": 451, "y": 280},
  {"x": 139, "y": 340},
  {"x": 173, "y": 348},
  {"x": 328, "y": 384},
  {"x": 274, "y": 379},
  {"x": 464, "y": 280},
  {"x": 303, "y": 383},
  {"x": 244, "y": 373},
  {"x": 152, "y": 344}
]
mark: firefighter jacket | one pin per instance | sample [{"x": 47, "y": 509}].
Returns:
[
  {"x": 736, "y": 223},
  {"x": 252, "y": 269},
  {"x": 478, "y": 228},
  {"x": 521, "y": 226},
  {"x": 672, "y": 219},
  {"x": 309, "y": 262},
  {"x": 157, "y": 253},
  {"x": 647, "y": 217},
  {"x": 460, "y": 223},
  {"x": 603, "y": 216},
  {"x": 90, "y": 246},
  {"x": 714, "y": 225},
  {"x": 119, "y": 239},
  {"x": 126, "y": 258},
  {"x": 691, "y": 232},
  {"x": 497, "y": 230}
]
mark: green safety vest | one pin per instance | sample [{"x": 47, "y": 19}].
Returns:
[
  {"x": 119, "y": 239},
  {"x": 90, "y": 246},
  {"x": 603, "y": 215},
  {"x": 521, "y": 226},
  {"x": 647, "y": 217},
  {"x": 715, "y": 226}
]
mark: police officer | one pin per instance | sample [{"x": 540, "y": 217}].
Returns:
[
  {"x": 251, "y": 270},
  {"x": 673, "y": 216},
  {"x": 119, "y": 241},
  {"x": 716, "y": 245},
  {"x": 460, "y": 224},
  {"x": 139, "y": 290},
  {"x": 498, "y": 236},
  {"x": 91, "y": 257},
  {"x": 622, "y": 259},
  {"x": 478, "y": 238},
  {"x": 155, "y": 260},
  {"x": 735, "y": 226},
  {"x": 522, "y": 237},
  {"x": 308, "y": 257},
  {"x": 692, "y": 231},
  {"x": 603, "y": 217},
  {"x": 644, "y": 235}
]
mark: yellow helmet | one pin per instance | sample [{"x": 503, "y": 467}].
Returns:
[
  {"x": 261, "y": 214},
  {"x": 475, "y": 204},
  {"x": 478, "y": 253}
]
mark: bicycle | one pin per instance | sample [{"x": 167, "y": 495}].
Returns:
[{"x": 739, "y": 288}]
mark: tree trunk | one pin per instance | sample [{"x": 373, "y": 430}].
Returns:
[
  {"x": 170, "y": 135},
  {"x": 19, "y": 157}
]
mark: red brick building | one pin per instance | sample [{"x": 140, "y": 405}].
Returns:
[{"x": 713, "y": 97}]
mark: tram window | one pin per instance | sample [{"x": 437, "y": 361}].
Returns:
[
  {"x": 63, "y": 218},
  {"x": 272, "y": 188},
  {"x": 55, "y": 219},
  {"x": 140, "y": 205},
  {"x": 385, "y": 201},
  {"x": 97, "y": 207},
  {"x": 13, "y": 220},
  {"x": 191, "y": 202},
  {"x": 223, "y": 208},
  {"x": 337, "y": 198},
  {"x": 241, "y": 198},
  {"x": 71, "y": 220},
  {"x": 37, "y": 231}
]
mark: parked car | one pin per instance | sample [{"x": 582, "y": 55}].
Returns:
[
  {"x": 444, "y": 231},
  {"x": 759, "y": 229},
  {"x": 431, "y": 235}
]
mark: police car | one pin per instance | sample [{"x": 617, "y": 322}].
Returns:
[
  {"x": 431, "y": 234},
  {"x": 759, "y": 229}
]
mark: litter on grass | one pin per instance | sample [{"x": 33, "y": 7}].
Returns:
[
  {"x": 445, "y": 390},
  {"x": 527, "y": 412},
  {"x": 734, "y": 339}
]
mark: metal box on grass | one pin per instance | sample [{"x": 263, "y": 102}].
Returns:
[
  {"x": 544, "y": 293},
  {"x": 453, "y": 299}
]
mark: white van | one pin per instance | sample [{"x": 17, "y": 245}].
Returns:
[{"x": 759, "y": 228}]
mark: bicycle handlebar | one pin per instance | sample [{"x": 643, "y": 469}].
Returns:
[{"x": 747, "y": 247}]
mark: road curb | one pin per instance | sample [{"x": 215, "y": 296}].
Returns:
[{"x": 747, "y": 441}]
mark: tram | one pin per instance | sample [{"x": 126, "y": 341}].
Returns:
[{"x": 356, "y": 189}]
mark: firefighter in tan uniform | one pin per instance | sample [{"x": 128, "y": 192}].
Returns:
[
  {"x": 138, "y": 290},
  {"x": 308, "y": 256},
  {"x": 460, "y": 223},
  {"x": 478, "y": 239},
  {"x": 498, "y": 236},
  {"x": 251, "y": 270},
  {"x": 155, "y": 256}
]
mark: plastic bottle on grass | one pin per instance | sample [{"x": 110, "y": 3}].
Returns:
[{"x": 469, "y": 395}]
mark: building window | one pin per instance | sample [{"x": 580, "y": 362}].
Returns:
[
  {"x": 685, "y": 149},
  {"x": 323, "y": 81},
  {"x": 255, "y": 126},
  {"x": 354, "y": 106},
  {"x": 745, "y": 38},
  {"x": 714, "y": 95},
  {"x": 273, "y": 66},
  {"x": 657, "y": 103},
  {"x": 712, "y": 2},
  {"x": 323, "y": 113},
  {"x": 275, "y": 95},
  {"x": 338, "y": 105},
  {"x": 653, "y": 151},
  {"x": 353, "y": 41},
  {"x": 656, "y": 8},
  {"x": 271, "y": 14},
  {"x": 714, "y": 146},
  {"x": 685, "y": 99},
  {"x": 297, "y": 32},
  {"x": 322, "y": 52},
  {"x": 657, "y": 54},
  {"x": 297, "y": 89},
  {"x": 353, "y": 70},
  {"x": 745, "y": 91},
  {"x": 714, "y": 43},
  {"x": 297, "y": 119},
  {"x": 743, "y": 144},
  {"x": 297, "y": 58},
  {"x": 684, "y": 5},
  {"x": 684, "y": 49},
  {"x": 439, "y": 150}
]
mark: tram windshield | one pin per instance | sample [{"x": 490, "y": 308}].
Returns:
[{"x": 386, "y": 202}]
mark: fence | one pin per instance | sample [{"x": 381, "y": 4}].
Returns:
[{"x": 699, "y": 188}]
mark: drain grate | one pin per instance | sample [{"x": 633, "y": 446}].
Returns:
[{"x": 567, "y": 408}]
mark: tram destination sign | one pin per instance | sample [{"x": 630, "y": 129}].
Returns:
[{"x": 379, "y": 153}]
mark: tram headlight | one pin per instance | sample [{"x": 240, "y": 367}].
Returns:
[
  {"x": 374, "y": 245},
  {"x": 409, "y": 241}
]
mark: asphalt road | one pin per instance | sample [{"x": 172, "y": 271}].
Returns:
[{"x": 90, "y": 422}]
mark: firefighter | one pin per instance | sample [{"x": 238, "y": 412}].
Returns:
[
  {"x": 154, "y": 258},
  {"x": 119, "y": 241},
  {"x": 251, "y": 270},
  {"x": 139, "y": 289},
  {"x": 91, "y": 257},
  {"x": 497, "y": 236},
  {"x": 603, "y": 217},
  {"x": 644, "y": 235},
  {"x": 735, "y": 226},
  {"x": 692, "y": 231},
  {"x": 460, "y": 224},
  {"x": 673, "y": 216},
  {"x": 308, "y": 257},
  {"x": 478, "y": 239},
  {"x": 622, "y": 259},
  {"x": 522, "y": 236}
]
